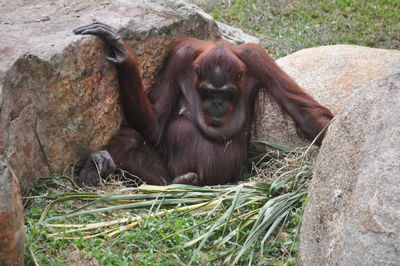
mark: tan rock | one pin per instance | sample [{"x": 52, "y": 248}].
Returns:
[
  {"x": 63, "y": 81},
  {"x": 330, "y": 74}
]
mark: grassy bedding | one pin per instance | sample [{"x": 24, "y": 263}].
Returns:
[
  {"x": 254, "y": 221},
  {"x": 258, "y": 221}
]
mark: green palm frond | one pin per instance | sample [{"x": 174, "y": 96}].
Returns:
[{"x": 239, "y": 217}]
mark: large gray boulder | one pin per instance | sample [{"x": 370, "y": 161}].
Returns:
[
  {"x": 353, "y": 214},
  {"x": 330, "y": 74},
  {"x": 58, "y": 88}
]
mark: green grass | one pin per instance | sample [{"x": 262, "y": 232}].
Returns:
[
  {"x": 146, "y": 245},
  {"x": 285, "y": 26},
  {"x": 221, "y": 232}
]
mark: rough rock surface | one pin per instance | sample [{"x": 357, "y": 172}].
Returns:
[
  {"x": 353, "y": 215},
  {"x": 330, "y": 74},
  {"x": 12, "y": 229},
  {"x": 60, "y": 86}
]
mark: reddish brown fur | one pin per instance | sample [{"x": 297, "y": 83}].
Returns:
[{"x": 171, "y": 140}]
